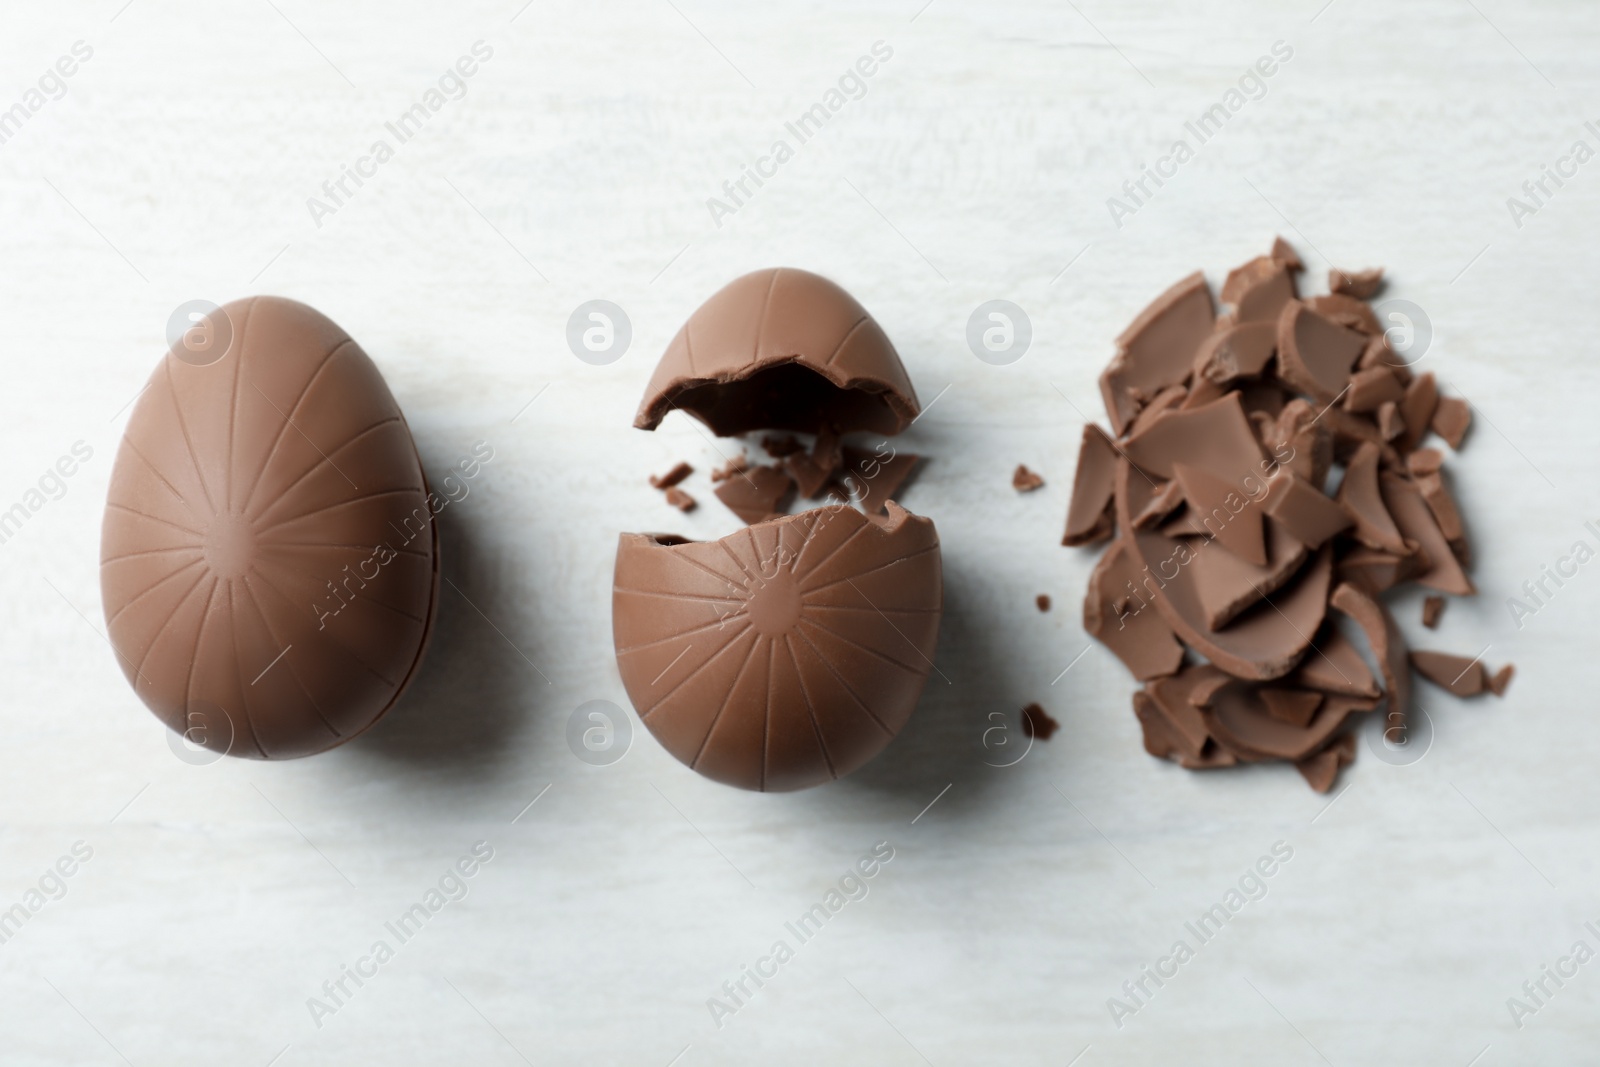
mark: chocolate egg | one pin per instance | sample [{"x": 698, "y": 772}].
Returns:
[
  {"x": 782, "y": 349},
  {"x": 787, "y": 654},
  {"x": 269, "y": 559}
]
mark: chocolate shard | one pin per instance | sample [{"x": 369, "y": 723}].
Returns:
[
  {"x": 1241, "y": 351},
  {"x": 1361, "y": 284},
  {"x": 874, "y": 479},
  {"x": 1348, "y": 312},
  {"x": 1335, "y": 665},
  {"x": 1137, "y": 634},
  {"x": 1042, "y": 601},
  {"x": 680, "y": 499},
  {"x": 1238, "y": 524},
  {"x": 1202, "y": 391},
  {"x": 1377, "y": 571},
  {"x": 1174, "y": 699},
  {"x": 1442, "y": 504},
  {"x": 1424, "y": 461},
  {"x": 1236, "y": 715},
  {"x": 1185, "y": 584},
  {"x": 1159, "y": 739},
  {"x": 808, "y": 475},
  {"x": 1388, "y": 647},
  {"x": 781, "y": 349},
  {"x": 1321, "y": 769},
  {"x": 1390, "y": 423},
  {"x": 1293, "y": 706},
  {"x": 1036, "y": 722},
  {"x": 1371, "y": 388},
  {"x": 1089, "y": 516},
  {"x": 785, "y": 655},
  {"x": 1258, "y": 290},
  {"x": 737, "y": 465},
  {"x": 1500, "y": 680},
  {"x": 1315, "y": 353},
  {"x": 1307, "y": 513},
  {"x": 1451, "y": 419},
  {"x": 1416, "y": 523},
  {"x": 1361, "y": 496},
  {"x": 1285, "y": 254},
  {"x": 1416, "y": 408},
  {"x": 1216, "y": 438},
  {"x": 672, "y": 477},
  {"x": 756, "y": 494},
  {"x": 1463, "y": 675},
  {"x": 1432, "y": 608},
  {"x": 1301, "y": 443},
  {"x": 1379, "y": 354},
  {"x": 1024, "y": 480},
  {"x": 1157, "y": 349},
  {"x": 1166, "y": 400}
]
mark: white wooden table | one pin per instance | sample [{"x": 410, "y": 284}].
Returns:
[{"x": 977, "y": 163}]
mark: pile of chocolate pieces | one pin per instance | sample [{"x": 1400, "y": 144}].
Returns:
[{"x": 1266, "y": 474}]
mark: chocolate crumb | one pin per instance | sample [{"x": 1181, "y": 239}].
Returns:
[
  {"x": 1360, "y": 283},
  {"x": 1451, "y": 419},
  {"x": 672, "y": 477},
  {"x": 1500, "y": 679},
  {"x": 1037, "y": 723},
  {"x": 1432, "y": 608},
  {"x": 1024, "y": 480},
  {"x": 1043, "y": 601},
  {"x": 737, "y": 465},
  {"x": 679, "y": 499}
]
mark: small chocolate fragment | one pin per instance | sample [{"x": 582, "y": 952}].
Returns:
[
  {"x": 1416, "y": 522},
  {"x": 1285, "y": 254},
  {"x": 1159, "y": 738},
  {"x": 1417, "y": 407},
  {"x": 1167, "y": 500},
  {"x": 1424, "y": 461},
  {"x": 1349, "y": 312},
  {"x": 1390, "y": 424},
  {"x": 680, "y": 499},
  {"x": 1360, "y": 495},
  {"x": 827, "y": 452},
  {"x": 1036, "y": 722},
  {"x": 1174, "y": 699},
  {"x": 672, "y": 477},
  {"x": 1322, "y": 769},
  {"x": 781, "y": 349},
  {"x": 1335, "y": 665},
  {"x": 1462, "y": 675},
  {"x": 1024, "y": 480},
  {"x": 1315, "y": 353},
  {"x": 1042, "y": 601},
  {"x": 1241, "y": 351},
  {"x": 1432, "y": 608},
  {"x": 1136, "y": 634},
  {"x": 1166, "y": 400},
  {"x": 1371, "y": 388},
  {"x": 756, "y": 494},
  {"x": 1158, "y": 349},
  {"x": 1360, "y": 284},
  {"x": 1451, "y": 418},
  {"x": 1216, "y": 438},
  {"x": 1293, "y": 706},
  {"x": 1388, "y": 647},
  {"x": 1258, "y": 290},
  {"x": 1442, "y": 504},
  {"x": 1310, "y": 515},
  {"x": 1501, "y": 679},
  {"x": 810, "y": 477},
  {"x": 738, "y": 465},
  {"x": 1236, "y": 715},
  {"x": 1238, "y": 526},
  {"x": 1377, "y": 571},
  {"x": 785, "y": 655},
  {"x": 1089, "y": 517},
  {"x": 874, "y": 479}
]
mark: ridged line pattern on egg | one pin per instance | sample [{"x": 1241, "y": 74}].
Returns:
[
  {"x": 268, "y": 550},
  {"x": 786, "y": 654}
]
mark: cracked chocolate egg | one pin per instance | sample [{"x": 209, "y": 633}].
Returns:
[
  {"x": 786, "y": 654},
  {"x": 269, "y": 560},
  {"x": 781, "y": 349}
]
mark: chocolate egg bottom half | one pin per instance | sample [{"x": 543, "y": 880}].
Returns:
[
  {"x": 787, "y": 654},
  {"x": 269, "y": 557}
]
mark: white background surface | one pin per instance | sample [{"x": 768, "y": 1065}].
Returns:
[{"x": 977, "y": 166}]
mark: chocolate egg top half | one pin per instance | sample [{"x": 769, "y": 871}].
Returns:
[
  {"x": 782, "y": 349},
  {"x": 784, "y": 655},
  {"x": 269, "y": 560}
]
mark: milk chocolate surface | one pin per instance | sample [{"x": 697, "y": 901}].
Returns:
[
  {"x": 269, "y": 562},
  {"x": 787, "y": 654},
  {"x": 1232, "y": 570}
]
